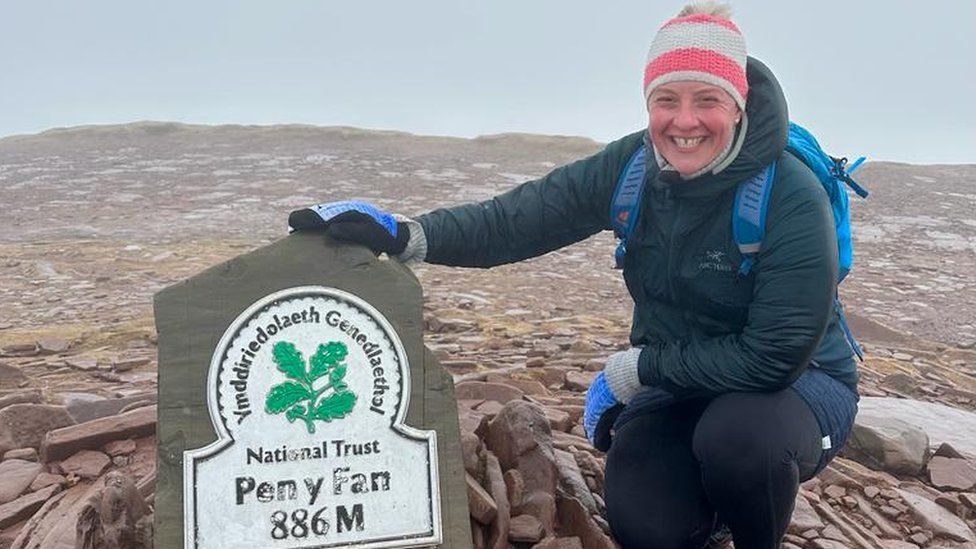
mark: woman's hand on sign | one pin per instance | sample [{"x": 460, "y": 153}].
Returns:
[{"x": 354, "y": 221}]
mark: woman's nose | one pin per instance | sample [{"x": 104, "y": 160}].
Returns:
[{"x": 685, "y": 117}]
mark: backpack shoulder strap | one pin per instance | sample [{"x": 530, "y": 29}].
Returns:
[
  {"x": 749, "y": 215},
  {"x": 627, "y": 193},
  {"x": 626, "y": 200}
]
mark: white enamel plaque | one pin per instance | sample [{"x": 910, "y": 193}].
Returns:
[{"x": 307, "y": 391}]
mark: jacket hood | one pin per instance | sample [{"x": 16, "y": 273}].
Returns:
[{"x": 767, "y": 128}]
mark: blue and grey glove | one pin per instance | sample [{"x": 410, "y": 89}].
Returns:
[
  {"x": 610, "y": 391},
  {"x": 600, "y": 412},
  {"x": 364, "y": 223}
]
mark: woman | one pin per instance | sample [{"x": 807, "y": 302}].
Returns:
[{"x": 723, "y": 413}]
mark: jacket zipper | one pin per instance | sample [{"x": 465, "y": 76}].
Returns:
[{"x": 671, "y": 242}]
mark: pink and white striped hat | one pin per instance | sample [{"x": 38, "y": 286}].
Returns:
[{"x": 699, "y": 47}]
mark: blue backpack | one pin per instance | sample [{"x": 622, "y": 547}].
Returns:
[{"x": 751, "y": 203}]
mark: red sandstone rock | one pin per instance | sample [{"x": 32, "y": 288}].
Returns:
[
  {"x": 576, "y": 521},
  {"x": 86, "y": 464},
  {"x": 952, "y": 473},
  {"x": 515, "y": 487},
  {"x": 52, "y": 344},
  {"x": 559, "y": 543},
  {"x": 43, "y": 480},
  {"x": 579, "y": 381},
  {"x": 93, "y": 434},
  {"x": 24, "y": 425},
  {"x": 521, "y": 438},
  {"x": 558, "y": 419},
  {"x": 15, "y": 476},
  {"x": 487, "y": 391},
  {"x": 542, "y": 506},
  {"x": 498, "y": 537},
  {"x": 480, "y": 503},
  {"x": 24, "y": 506},
  {"x": 120, "y": 447},
  {"x": 525, "y": 528}
]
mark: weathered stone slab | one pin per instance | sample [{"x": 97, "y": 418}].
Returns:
[
  {"x": 194, "y": 316},
  {"x": 24, "y": 506},
  {"x": 941, "y": 423},
  {"x": 32, "y": 396},
  {"x": 91, "y": 435},
  {"x": 15, "y": 476},
  {"x": 936, "y": 518},
  {"x": 84, "y": 407}
]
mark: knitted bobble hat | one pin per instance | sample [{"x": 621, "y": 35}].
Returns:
[{"x": 701, "y": 44}]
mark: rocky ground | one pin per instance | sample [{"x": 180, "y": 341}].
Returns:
[{"x": 95, "y": 220}]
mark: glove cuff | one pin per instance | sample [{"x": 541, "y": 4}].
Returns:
[
  {"x": 416, "y": 249},
  {"x": 621, "y": 373}
]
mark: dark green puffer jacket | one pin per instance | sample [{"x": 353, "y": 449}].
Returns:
[{"x": 705, "y": 329}]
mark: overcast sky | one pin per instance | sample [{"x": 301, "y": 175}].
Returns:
[{"x": 895, "y": 80}]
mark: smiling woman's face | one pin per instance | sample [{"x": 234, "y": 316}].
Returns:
[{"x": 691, "y": 123}]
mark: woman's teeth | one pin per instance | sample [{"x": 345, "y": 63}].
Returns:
[{"x": 688, "y": 142}]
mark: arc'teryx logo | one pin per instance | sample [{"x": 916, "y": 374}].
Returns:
[
  {"x": 714, "y": 260},
  {"x": 290, "y": 396}
]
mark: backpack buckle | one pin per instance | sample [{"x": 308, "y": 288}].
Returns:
[{"x": 619, "y": 254}]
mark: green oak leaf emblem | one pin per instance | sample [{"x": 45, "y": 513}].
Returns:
[{"x": 298, "y": 398}]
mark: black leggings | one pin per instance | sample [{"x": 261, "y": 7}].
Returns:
[{"x": 673, "y": 473}]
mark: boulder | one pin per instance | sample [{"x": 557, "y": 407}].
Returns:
[
  {"x": 887, "y": 442},
  {"x": 941, "y": 423},
  {"x": 15, "y": 477},
  {"x": 25, "y": 425},
  {"x": 521, "y": 438}
]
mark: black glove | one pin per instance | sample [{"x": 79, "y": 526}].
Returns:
[
  {"x": 354, "y": 221},
  {"x": 602, "y": 435}
]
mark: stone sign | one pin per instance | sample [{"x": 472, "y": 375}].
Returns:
[
  {"x": 307, "y": 391},
  {"x": 319, "y": 421}
]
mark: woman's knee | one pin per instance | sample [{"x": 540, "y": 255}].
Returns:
[{"x": 734, "y": 439}]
